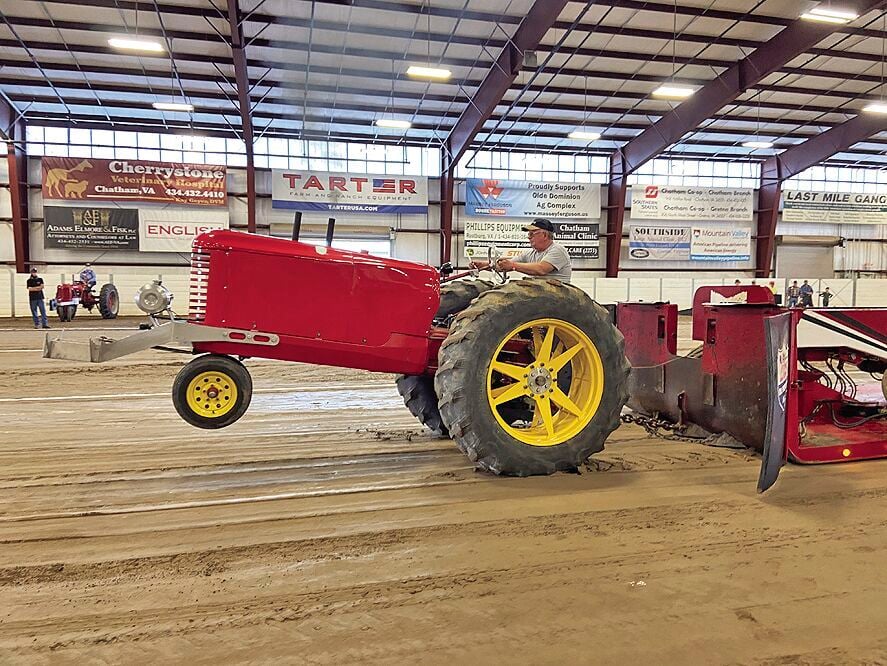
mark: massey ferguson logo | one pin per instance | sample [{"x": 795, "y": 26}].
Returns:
[
  {"x": 651, "y": 191},
  {"x": 357, "y": 184},
  {"x": 490, "y": 188}
]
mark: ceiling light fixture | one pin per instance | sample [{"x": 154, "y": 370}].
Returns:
[
  {"x": 173, "y": 106},
  {"x": 582, "y": 135},
  {"x": 392, "y": 123},
  {"x": 674, "y": 92},
  {"x": 135, "y": 45},
  {"x": 422, "y": 72},
  {"x": 829, "y": 15},
  {"x": 876, "y": 107},
  {"x": 757, "y": 144}
]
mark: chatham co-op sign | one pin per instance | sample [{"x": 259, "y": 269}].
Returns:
[{"x": 89, "y": 179}]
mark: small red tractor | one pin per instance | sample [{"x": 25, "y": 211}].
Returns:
[{"x": 69, "y": 295}]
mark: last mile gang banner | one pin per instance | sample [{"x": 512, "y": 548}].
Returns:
[{"x": 90, "y": 179}]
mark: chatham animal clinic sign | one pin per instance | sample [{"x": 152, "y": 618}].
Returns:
[
  {"x": 80, "y": 179},
  {"x": 348, "y": 192}
]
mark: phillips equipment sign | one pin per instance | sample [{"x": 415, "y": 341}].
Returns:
[
  {"x": 91, "y": 179},
  {"x": 348, "y": 192}
]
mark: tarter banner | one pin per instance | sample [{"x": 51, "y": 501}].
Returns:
[
  {"x": 523, "y": 198},
  {"x": 80, "y": 179},
  {"x": 834, "y": 207},
  {"x": 173, "y": 230},
  {"x": 719, "y": 204},
  {"x": 348, "y": 192},
  {"x": 579, "y": 238},
  {"x": 720, "y": 244},
  {"x": 90, "y": 228},
  {"x": 659, "y": 243}
]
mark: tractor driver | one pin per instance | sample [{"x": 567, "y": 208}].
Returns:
[
  {"x": 87, "y": 276},
  {"x": 545, "y": 258}
]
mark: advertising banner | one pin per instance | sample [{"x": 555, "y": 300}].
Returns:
[
  {"x": 348, "y": 192},
  {"x": 659, "y": 243},
  {"x": 523, "y": 198},
  {"x": 579, "y": 238},
  {"x": 834, "y": 207},
  {"x": 720, "y": 244},
  {"x": 83, "y": 179},
  {"x": 777, "y": 332},
  {"x": 173, "y": 230},
  {"x": 665, "y": 202},
  {"x": 90, "y": 228}
]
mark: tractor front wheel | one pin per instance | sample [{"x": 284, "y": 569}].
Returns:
[
  {"x": 66, "y": 312},
  {"x": 109, "y": 301},
  {"x": 511, "y": 347},
  {"x": 212, "y": 391}
]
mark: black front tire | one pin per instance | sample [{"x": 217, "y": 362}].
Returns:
[{"x": 228, "y": 369}]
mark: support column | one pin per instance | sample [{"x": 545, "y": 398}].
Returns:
[
  {"x": 17, "y": 165},
  {"x": 617, "y": 190},
  {"x": 447, "y": 199}
]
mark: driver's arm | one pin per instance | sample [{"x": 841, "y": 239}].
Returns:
[
  {"x": 537, "y": 268},
  {"x": 480, "y": 265}
]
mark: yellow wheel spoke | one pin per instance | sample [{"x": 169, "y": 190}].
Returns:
[
  {"x": 513, "y": 391},
  {"x": 562, "y": 400},
  {"x": 559, "y": 362},
  {"x": 510, "y": 370},
  {"x": 544, "y": 407},
  {"x": 496, "y": 392},
  {"x": 543, "y": 354},
  {"x": 537, "y": 341}
]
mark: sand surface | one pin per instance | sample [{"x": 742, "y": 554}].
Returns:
[{"x": 327, "y": 528}]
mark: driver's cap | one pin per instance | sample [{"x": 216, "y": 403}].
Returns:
[{"x": 540, "y": 223}]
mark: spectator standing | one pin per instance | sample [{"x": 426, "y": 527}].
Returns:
[
  {"x": 792, "y": 294},
  {"x": 806, "y": 295},
  {"x": 826, "y": 296},
  {"x": 35, "y": 299}
]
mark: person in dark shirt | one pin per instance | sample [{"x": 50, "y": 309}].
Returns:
[
  {"x": 35, "y": 299},
  {"x": 826, "y": 296}
]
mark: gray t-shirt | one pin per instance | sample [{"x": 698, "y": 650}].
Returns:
[{"x": 556, "y": 255}]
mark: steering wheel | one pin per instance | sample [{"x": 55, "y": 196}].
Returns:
[{"x": 493, "y": 255}]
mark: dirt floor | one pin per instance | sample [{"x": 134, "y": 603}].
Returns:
[{"x": 326, "y": 527}]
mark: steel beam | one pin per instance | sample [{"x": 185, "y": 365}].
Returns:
[
  {"x": 792, "y": 41},
  {"x": 12, "y": 131},
  {"x": 538, "y": 20},
  {"x": 792, "y": 162},
  {"x": 241, "y": 76}
]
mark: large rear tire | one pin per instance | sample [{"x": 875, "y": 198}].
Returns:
[
  {"x": 417, "y": 391},
  {"x": 109, "y": 301},
  {"x": 504, "y": 347},
  {"x": 212, "y": 391}
]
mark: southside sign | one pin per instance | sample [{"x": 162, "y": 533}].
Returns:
[{"x": 76, "y": 179}]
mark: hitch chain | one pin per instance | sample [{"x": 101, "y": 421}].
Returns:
[{"x": 662, "y": 428}]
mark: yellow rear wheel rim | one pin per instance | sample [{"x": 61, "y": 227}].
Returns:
[
  {"x": 557, "y": 415},
  {"x": 211, "y": 394}
]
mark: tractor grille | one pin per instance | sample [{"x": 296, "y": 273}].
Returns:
[{"x": 197, "y": 287}]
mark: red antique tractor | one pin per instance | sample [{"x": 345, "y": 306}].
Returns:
[
  {"x": 528, "y": 377},
  {"x": 69, "y": 295}
]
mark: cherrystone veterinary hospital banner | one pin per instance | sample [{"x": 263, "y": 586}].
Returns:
[
  {"x": 348, "y": 192},
  {"x": 717, "y": 204},
  {"x": 173, "y": 230},
  {"x": 834, "y": 207},
  {"x": 525, "y": 198},
  {"x": 579, "y": 238},
  {"x": 90, "y": 179}
]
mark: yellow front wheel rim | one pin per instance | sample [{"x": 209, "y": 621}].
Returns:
[
  {"x": 211, "y": 394},
  {"x": 557, "y": 415}
]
